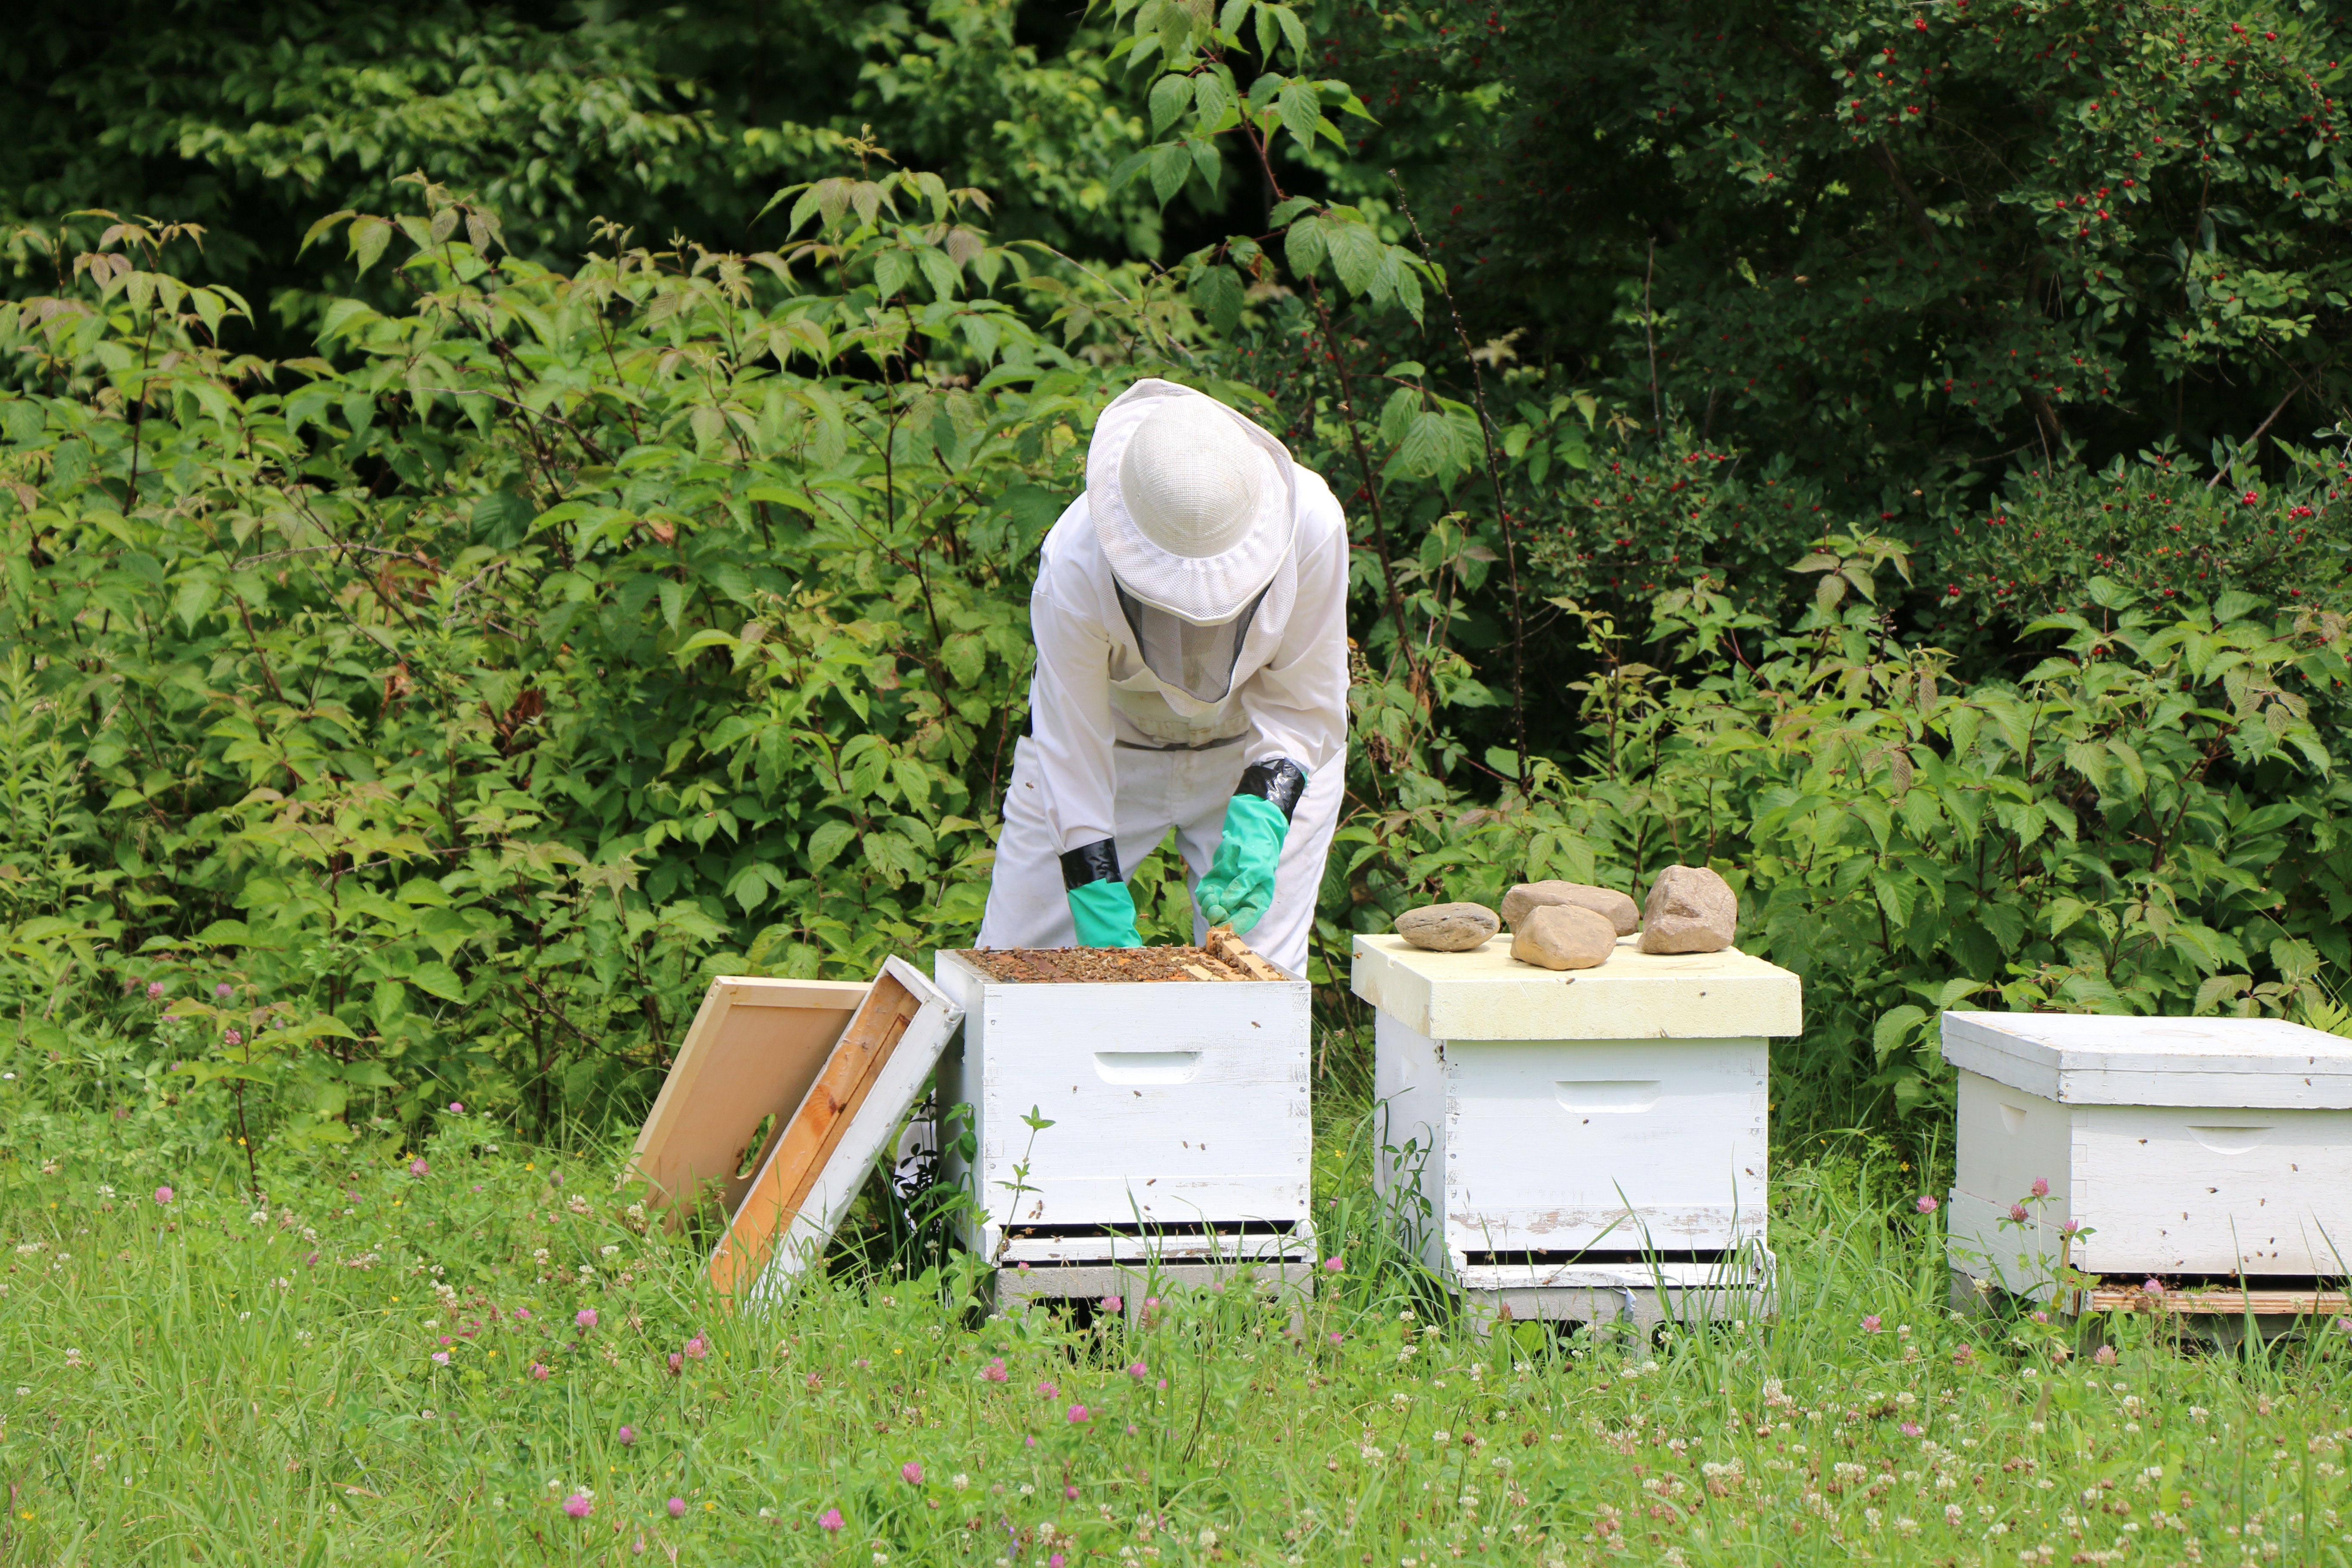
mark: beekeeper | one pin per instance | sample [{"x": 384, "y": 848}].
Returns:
[{"x": 1191, "y": 623}]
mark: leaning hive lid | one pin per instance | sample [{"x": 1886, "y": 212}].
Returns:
[{"x": 2083, "y": 1059}]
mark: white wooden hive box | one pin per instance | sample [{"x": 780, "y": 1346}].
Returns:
[
  {"x": 1181, "y": 1125},
  {"x": 2184, "y": 1146},
  {"x": 1551, "y": 1122}
]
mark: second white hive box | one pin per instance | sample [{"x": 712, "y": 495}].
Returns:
[
  {"x": 2189, "y": 1147},
  {"x": 1181, "y": 1125},
  {"x": 1552, "y": 1121}
]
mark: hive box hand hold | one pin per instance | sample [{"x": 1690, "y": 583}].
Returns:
[
  {"x": 754, "y": 1049},
  {"x": 1597, "y": 1132},
  {"x": 1178, "y": 1098},
  {"x": 2191, "y": 1148},
  {"x": 824, "y": 1153}
]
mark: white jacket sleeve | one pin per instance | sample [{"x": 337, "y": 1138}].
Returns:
[
  {"x": 1297, "y": 704},
  {"x": 1069, "y": 715}
]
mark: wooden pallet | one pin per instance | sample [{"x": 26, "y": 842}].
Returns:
[
  {"x": 2218, "y": 1302},
  {"x": 2211, "y": 1304},
  {"x": 1233, "y": 951}
]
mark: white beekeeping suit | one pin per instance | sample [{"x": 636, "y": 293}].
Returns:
[{"x": 1190, "y": 622}]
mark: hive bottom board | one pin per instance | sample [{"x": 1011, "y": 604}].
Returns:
[
  {"x": 1731, "y": 1292},
  {"x": 1129, "y": 1248},
  {"x": 1134, "y": 1282}
]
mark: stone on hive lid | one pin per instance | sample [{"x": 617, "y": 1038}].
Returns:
[
  {"x": 1563, "y": 936},
  {"x": 1447, "y": 928},
  {"x": 1690, "y": 910},
  {"x": 1620, "y": 910}
]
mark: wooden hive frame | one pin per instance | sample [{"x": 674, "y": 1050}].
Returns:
[{"x": 1223, "y": 957}]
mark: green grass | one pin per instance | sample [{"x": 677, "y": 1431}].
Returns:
[{"x": 220, "y": 1383}]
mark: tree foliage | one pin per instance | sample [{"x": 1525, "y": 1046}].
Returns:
[{"x": 453, "y": 618}]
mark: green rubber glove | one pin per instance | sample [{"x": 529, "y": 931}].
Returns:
[
  {"x": 1239, "y": 887},
  {"x": 1105, "y": 914}
]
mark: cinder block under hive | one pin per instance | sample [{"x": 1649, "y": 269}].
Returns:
[{"x": 1178, "y": 1095}]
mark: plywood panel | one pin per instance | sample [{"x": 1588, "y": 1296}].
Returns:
[
  {"x": 2008, "y": 1140},
  {"x": 1409, "y": 1127},
  {"x": 2215, "y": 1191},
  {"x": 754, "y": 1049}
]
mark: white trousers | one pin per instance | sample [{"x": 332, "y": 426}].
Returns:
[{"x": 1188, "y": 791}]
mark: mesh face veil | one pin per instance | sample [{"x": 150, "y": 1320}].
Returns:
[{"x": 1196, "y": 660}]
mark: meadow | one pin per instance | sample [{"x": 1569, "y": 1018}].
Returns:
[
  {"x": 478, "y": 1350},
  {"x": 452, "y": 613}
]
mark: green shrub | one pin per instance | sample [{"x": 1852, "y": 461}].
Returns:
[
  {"x": 444, "y": 717},
  {"x": 2147, "y": 822},
  {"x": 427, "y": 719}
]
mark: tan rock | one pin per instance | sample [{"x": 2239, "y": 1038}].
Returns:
[
  {"x": 1447, "y": 928},
  {"x": 1563, "y": 936},
  {"x": 1615, "y": 907},
  {"x": 1690, "y": 910}
]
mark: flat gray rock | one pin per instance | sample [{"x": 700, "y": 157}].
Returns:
[
  {"x": 1447, "y": 928},
  {"x": 1690, "y": 910},
  {"x": 1611, "y": 905},
  {"x": 1563, "y": 936}
]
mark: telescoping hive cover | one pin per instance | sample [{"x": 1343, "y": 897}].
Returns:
[{"x": 2094, "y": 1058}]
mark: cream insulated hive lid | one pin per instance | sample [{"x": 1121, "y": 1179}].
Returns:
[
  {"x": 2100, "y": 1059},
  {"x": 1487, "y": 995}
]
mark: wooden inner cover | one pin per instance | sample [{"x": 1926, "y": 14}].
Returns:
[
  {"x": 781, "y": 1189},
  {"x": 752, "y": 1053}
]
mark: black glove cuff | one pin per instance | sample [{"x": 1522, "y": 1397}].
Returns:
[
  {"x": 1096, "y": 862},
  {"x": 1278, "y": 779}
]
